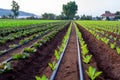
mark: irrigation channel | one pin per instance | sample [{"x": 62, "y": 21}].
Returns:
[{"x": 70, "y": 65}]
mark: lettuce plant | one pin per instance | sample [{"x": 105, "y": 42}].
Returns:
[
  {"x": 29, "y": 50},
  {"x": 118, "y": 50},
  {"x": 87, "y": 58},
  {"x": 112, "y": 45},
  {"x": 20, "y": 56},
  {"x": 12, "y": 46},
  {"x": 92, "y": 73},
  {"x": 4, "y": 67},
  {"x": 52, "y": 65},
  {"x": 84, "y": 50},
  {"x": 57, "y": 55},
  {"x": 41, "y": 78}
]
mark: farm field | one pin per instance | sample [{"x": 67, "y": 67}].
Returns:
[
  {"x": 59, "y": 50},
  {"x": 17, "y": 23}
]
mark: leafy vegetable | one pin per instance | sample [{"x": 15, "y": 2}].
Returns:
[
  {"x": 20, "y": 56},
  {"x": 29, "y": 50},
  {"x": 118, "y": 50},
  {"x": 57, "y": 55},
  {"x": 86, "y": 59},
  {"x": 4, "y": 67},
  {"x": 92, "y": 73},
  {"x": 52, "y": 65},
  {"x": 41, "y": 78}
]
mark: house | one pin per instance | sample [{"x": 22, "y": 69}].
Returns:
[{"x": 108, "y": 16}]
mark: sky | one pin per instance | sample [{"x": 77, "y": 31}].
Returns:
[{"x": 88, "y": 7}]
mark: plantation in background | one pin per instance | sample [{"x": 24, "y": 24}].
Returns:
[{"x": 17, "y": 23}]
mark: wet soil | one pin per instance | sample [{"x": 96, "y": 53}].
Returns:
[
  {"x": 35, "y": 65},
  {"x": 68, "y": 69},
  {"x": 107, "y": 59}
]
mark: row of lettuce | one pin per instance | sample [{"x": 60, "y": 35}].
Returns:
[
  {"x": 86, "y": 57},
  {"x": 11, "y": 23},
  {"x": 101, "y": 30},
  {"x": 27, "y": 35},
  {"x": 27, "y": 52}
]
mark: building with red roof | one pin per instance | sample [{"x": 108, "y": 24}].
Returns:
[{"x": 108, "y": 16}]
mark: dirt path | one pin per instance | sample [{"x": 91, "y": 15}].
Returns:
[
  {"x": 68, "y": 68},
  {"x": 107, "y": 59}
]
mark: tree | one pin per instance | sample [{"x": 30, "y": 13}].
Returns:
[
  {"x": 70, "y": 9},
  {"x": 107, "y": 12},
  {"x": 15, "y": 8},
  {"x": 77, "y": 17},
  {"x": 48, "y": 16},
  {"x": 117, "y": 13}
]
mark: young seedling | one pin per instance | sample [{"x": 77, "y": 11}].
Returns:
[
  {"x": 87, "y": 58},
  {"x": 112, "y": 45},
  {"x": 118, "y": 50},
  {"x": 20, "y": 56},
  {"x": 41, "y": 78},
  {"x": 12, "y": 46},
  {"x": 57, "y": 55},
  {"x": 84, "y": 50},
  {"x": 4, "y": 67},
  {"x": 52, "y": 65},
  {"x": 37, "y": 45},
  {"x": 92, "y": 73},
  {"x": 29, "y": 50}
]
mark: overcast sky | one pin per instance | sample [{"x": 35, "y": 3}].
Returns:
[{"x": 88, "y": 7}]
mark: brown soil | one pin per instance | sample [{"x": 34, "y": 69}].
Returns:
[
  {"x": 15, "y": 41},
  {"x": 107, "y": 59},
  {"x": 18, "y": 50},
  {"x": 37, "y": 63},
  {"x": 68, "y": 69}
]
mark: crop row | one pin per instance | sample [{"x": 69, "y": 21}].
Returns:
[
  {"x": 112, "y": 41},
  {"x": 5, "y": 66},
  {"x": 91, "y": 71},
  {"x": 7, "y": 23},
  {"x": 28, "y": 34}
]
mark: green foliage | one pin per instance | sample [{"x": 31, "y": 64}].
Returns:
[
  {"x": 84, "y": 49},
  {"x": 87, "y": 58},
  {"x": 112, "y": 45},
  {"x": 52, "y": 65},
  {"x": 48, "y": 16},
  {"x": 4, "y": 67},
  {"x": 105, "y": 40},
  {"x": 37, "y": 45},
  {"x": 20, "y": 56},
  {"x": 29, "y": 50},
  {"x": 15, "y": 8},
  {"x": 57, "y": 55},
  {"x": 41, "y": 78},
  {"x": 70, "y": 9},
  {"x": 118, "y": 50},
  {"x": 92, "y": 73},
  {"x": 12, "y": 46},
  {"x": 2, "y": 41}
]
